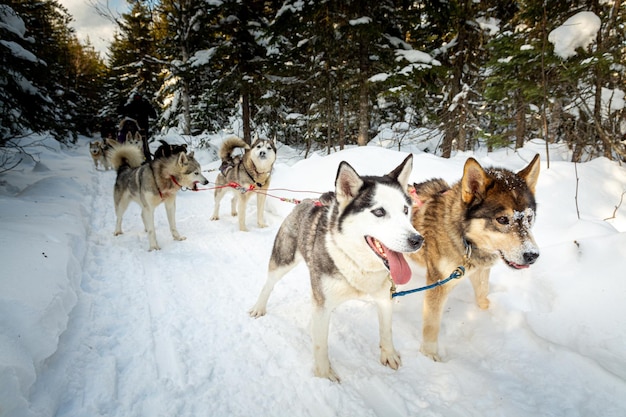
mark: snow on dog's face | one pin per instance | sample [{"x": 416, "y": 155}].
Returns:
[
  {"x": 501, "y": 211},
  {"x": 375, "y": 214}
]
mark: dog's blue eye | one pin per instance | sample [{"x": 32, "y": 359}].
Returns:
[
  {"x": 503, "y": 220},
  {"x": 379, "y": 212}
]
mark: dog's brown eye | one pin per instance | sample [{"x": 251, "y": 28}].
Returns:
[
  {"x": 379, "y": 212},
  {"x": 503, "y": 220},
  {"x": 406, "y": 210}
]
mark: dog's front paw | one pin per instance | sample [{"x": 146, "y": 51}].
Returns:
[
  {"x": 215, "y": 217},
  {"x": 117, "y": 233},
  {"x": 391, "y": 359},
  {"x": 483, "y": 303},
  {"x": 430, "y": 350},
  {"x": 154, "y": 247},
  {"x": 262, "y": 225},
  {"x": 327, "y": 373},
  {"x": 179, "y": 237},
  {"x": 257, "y": 311}
]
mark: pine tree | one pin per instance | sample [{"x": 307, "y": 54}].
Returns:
[
  {"x": 135, "y": 64},
  {"x": 181, "y": 27},
  {"x": 44, "y": 86}
]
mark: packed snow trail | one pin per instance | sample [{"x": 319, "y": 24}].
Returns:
[{"x": 166, "y": 333}]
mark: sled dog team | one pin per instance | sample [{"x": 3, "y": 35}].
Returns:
[{"x": 356, "y": 239}]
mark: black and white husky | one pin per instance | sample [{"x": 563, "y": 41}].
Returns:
[{"x": 352, "y": 240}]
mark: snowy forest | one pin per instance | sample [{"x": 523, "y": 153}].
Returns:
[{"x": 326, "y": 73}]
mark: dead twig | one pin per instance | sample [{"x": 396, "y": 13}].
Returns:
[{"x": 621, "y": 199}]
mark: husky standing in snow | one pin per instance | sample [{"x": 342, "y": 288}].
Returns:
[
  {"x": 151, "y": 184},
  {"x": 251, "y": 171},
  {"x": 352, "y": 240}
]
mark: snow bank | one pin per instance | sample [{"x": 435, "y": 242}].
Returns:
[{"x": 43, "y": 242}]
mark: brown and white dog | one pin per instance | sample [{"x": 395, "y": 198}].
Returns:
[{"x": 486, "y": 216}]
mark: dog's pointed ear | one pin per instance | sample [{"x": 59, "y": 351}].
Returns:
[
  {"x": 403, "y": 171},
  {"x": 182, "y": 158},
  {"x": 475, "y": 181},
  {"x": 129, "y": 135},
  {"x": 137, "y": 135},
  {"x": 347, "y": 183},
  {"x": 530, "y": 174}
]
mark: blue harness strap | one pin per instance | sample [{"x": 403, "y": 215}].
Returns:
[{"x": 458, "y": 273}]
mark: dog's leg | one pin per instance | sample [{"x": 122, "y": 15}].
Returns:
[
  {"x": 480, "y": 282},
  {"x": 260, "y": 209},
  {"x": 388, "y": 354},
  {"x": 170, "y": 209},
  {"x": 283, "y": 259},
  {"x": 219, "y": 194},
  {"x": 121, "y": 204},
  {"x": 319, "y": 333},
  {"x": 242, "y": 201},
  {"x": 273, "y": 276},
  {"x": 434, "y": 302},
  {"x": 147, "y": 215}
]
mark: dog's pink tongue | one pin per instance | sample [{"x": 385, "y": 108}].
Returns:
[{"x": 398, "y": 267}]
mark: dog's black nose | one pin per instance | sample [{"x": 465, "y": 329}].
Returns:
[
  {"x": 530, "y": 257},
  {"x": 416, "y": 240}
]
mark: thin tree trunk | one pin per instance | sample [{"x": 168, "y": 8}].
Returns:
[
  {"x": 245, "y": 115},
  {"x": 520, "y": 118},
  {"x": 340, "y": 121},
  {"x": 186, "y": 109},
  {"x": 364, "y": 120}
]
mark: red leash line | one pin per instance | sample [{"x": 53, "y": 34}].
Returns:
[{"x": 253, "y": 188}]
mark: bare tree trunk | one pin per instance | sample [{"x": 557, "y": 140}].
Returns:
[
  {"x": 452, "y": 128},
  {"x": 329, "y": 118},
  {"x": 462, "y": 135},
  {"x": 245, "y": 115},
  {"x": 186, "y": 109},
  {"x": 364, "y": 120},
  {"x": 340, "y": 121},
  {"x": 544, "y": 82},
  {"x": 520, "y": 119}
]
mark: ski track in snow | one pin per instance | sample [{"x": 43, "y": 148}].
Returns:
[{"x": 166, "y": 333}]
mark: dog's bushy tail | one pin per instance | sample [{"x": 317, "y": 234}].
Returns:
[
  {"x": 229, "y": 145},
  {"x": 125, "y": 154}
]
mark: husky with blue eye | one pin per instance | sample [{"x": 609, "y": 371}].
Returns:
[
  {"x": 244, "y": 175},
  {"x": 353, "y": 241}
]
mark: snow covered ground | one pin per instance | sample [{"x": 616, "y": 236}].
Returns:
[{"x": 95, "y": 325}]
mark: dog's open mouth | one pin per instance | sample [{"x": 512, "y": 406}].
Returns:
[
  {"x": 394, "y": 261},
  {"x": 513, "y": 264}
]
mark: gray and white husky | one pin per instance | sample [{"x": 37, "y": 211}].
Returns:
[
  {"x": 151, "y": 184},
  {"x": 352, "y": 240},
  {"x": 251, "y": 172}
]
